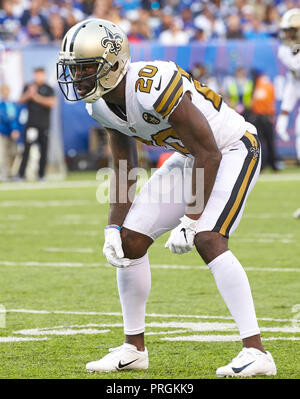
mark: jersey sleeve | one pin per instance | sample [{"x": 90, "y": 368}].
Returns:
[
  {"x": 166, "y": 91},
  {"x": 288, "y": 59},
  {"x": 92, "y": 111}
]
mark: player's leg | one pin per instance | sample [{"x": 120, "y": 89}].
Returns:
[
  {"x": 156, "y": 210},
  {"x": 43, "y": 141},
  {"x": 289, "y": 100},
  {"x": 297, "y": 134},
  {"x": 3, "y": 157},
  {"x": 134, "y": 285},
  {"x": 25, "y": 156},
  {"x": 237, "y": 175}
]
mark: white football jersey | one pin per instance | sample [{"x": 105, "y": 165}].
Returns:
[
  {"x": 290, "y": 60},
  {"x": 291, "y": 91},
  {"x": 153, "y": 91}
]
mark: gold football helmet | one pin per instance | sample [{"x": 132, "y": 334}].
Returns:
[
  {"x": 290, "y": 27},
  {"x": 93, "y": 59}
]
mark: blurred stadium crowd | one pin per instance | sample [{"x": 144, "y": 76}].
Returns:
[{"x": 168, "y": 21}]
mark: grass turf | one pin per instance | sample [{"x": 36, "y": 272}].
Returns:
[{"x": 51, "y": 260}]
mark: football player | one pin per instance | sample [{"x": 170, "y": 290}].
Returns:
[
  {"x": 289, "y": 55},
  {"x": 159, "y": 103}
]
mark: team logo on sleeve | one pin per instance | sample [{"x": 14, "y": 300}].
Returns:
[
  {"x": 255, "y": 151},
  {"x": 150, "y": 118},
  {"x": 114, "y": 40}
]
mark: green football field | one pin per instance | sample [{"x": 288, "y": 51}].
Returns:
[{"x": 59, "y": 300}]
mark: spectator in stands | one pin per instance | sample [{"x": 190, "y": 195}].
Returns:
[
  {"x": 258, "y": 29},
  {"x": 213, "y": 27},
  {"x": 39, "y": 98},
  {"x": 57, "y": 27},
  {"x": 174, "y": 35},
  {"x": 9, "y": 133},
  {"x": 188, "y": 21},
  {"x": 234, "y": 29},
  {"x": 100, "y": 9},
  {"x": 258, "y": 18},
  {"x": 135, "y": 34},
  {"x": 238, "y": 90},
  {"x": 166, "y": 20},
  {"x": 113, "y": 15},
  {"x": 200, "y": 73},
  {"x": 9, "y": 24},
  {"x": 71, "y": 12},
  {"x": 34, "y": 23},
  {"x": 263, "y": 108},
  {"x": 199, "y": 36},
  {"x": 271, "y": 20},
  {"x": 35, "y": 30},
  {"x": 146, "y": 28},
  {"x": 259, "y": 8},
  {"x": 87, "y": 6}
]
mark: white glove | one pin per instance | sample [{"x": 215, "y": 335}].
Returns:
[
  {"x": 281, "y": 127},
  {"x": 112, "y": 248},
  {"x": 181, "y": 239}
]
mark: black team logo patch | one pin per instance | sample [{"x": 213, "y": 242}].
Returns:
[
  {"x": 255, "y": 151},
  {"x": 150, "y": 118}
]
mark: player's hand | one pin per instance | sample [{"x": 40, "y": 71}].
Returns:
[
  {"x": 181, "y": 239},
  {"x": 112, "y": 248},
  {"x": 281, "y": 127}
]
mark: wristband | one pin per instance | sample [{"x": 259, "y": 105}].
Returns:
[{"x": 113, "y": 226}]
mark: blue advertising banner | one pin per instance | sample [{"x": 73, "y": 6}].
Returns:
[{"x": 220, "y": 57}]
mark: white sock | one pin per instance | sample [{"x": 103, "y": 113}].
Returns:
[
  {"x": 233, "y": 285},
  {"x": 134, "y": 283}
]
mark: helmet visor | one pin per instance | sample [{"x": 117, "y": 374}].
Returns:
[{"x": 78, "y": 79}]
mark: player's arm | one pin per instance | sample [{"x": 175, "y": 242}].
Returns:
[
  {"x": 196, "y": 135},
  {"x": 123, "y": 148},
  {"x": 45, "y": 101}
]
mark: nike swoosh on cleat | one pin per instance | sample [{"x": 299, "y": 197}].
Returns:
[
  {"x": 158, "y": 87},
  {"x": 183, "y": 229},
  {"x": 239, "y": 369},
  {"x": 120, "y": 365}
]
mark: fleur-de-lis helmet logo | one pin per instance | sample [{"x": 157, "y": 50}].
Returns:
[{"x": 114, "y": 40}]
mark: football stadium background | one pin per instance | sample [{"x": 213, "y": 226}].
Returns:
[
  {"x": 71, "y": 124},
  {"x": 59, "y": 305}
]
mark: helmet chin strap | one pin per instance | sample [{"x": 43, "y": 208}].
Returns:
[
  {"x": 96, "y": 94},
  {"x": 100, "y": 90}
]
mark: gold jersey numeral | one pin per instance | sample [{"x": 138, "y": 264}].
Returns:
[
  {"x": 170, "y": 137},
  {"x": 148, "y": 72}
]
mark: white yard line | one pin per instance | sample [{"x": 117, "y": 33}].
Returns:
[
  {"x": 20, "y": 339},
  {"x": 45, "y": 204},
  {"x": 275, "y": 215},
  {"x": 51, "y": 264},
  {"x": 94, "y": 183},
  {"x": 279, "y": 177},
  {"x": 119, "y": 314},
  {"x": 66, "y": 331},
  {"x": 48, "y": 185},
  {"x": 71, "y": 250},
  {"x": 222, "y": 338},
  {"x": 153, "y": 266}
]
